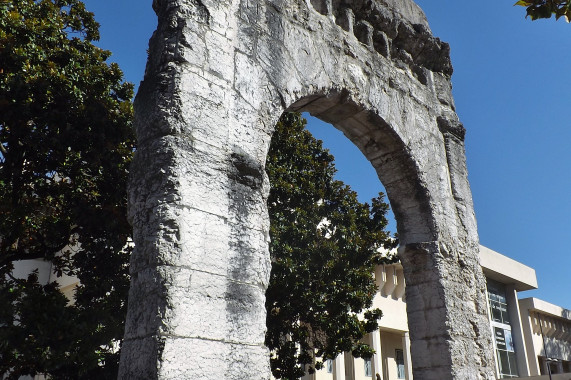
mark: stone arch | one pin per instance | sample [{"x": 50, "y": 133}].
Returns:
[
  {"x": 384, "y": 149},
  {"x": 220, "y": 72}
]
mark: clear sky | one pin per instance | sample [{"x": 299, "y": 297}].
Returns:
[{"x": 512, "y": 81}]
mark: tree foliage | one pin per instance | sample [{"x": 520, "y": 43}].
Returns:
[
  {"x": 65, "y": 146},
  {"x": 324, "y": 246},
  {"x": 537, "y": 9}
]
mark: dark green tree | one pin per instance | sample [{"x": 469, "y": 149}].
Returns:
[
  {"x": 537, "y": 9},
  {"x": 324, "y": 247},
  {"x": 65, "y": 145}
]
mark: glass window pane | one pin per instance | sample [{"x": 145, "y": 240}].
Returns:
[
  {"x": 505, "y": 353},
  {"x": 500, "y": 338},
  {"x": 509, "y": 341},
  {"x": 399, "y": 357},
  {"x": 496, "y": 312},
  {"x": 498, "y": 302},
  {"x": 329, "y": 365},
  {"x": 503, "y": 362},
  {"x": 368, "y": 370}
]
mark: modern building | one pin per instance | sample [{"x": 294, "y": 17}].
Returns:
[
  {"x": 46, "y": 274},
  {"x": 505, "y": 278},
  {"x": 532, "y": 338},
  {"x": 521, "y": 348},
  {"x": 547, "y": 332}
]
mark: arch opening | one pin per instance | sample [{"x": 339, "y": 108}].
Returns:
[
  {"x": 375, "y": 147},
  {"x": 388, "y": 155},
  {"x": 325, "y": 246}
]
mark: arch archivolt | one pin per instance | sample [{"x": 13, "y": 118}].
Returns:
[
  {"x": 220, "y": 73},
  {"x": 309, "y": 62}
]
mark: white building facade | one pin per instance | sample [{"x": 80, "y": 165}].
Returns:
[
  {"x": 547, "y": 332},
  {"x": 521, "y": 349}
]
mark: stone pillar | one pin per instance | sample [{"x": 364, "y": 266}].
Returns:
[
  {"x": 446, "y": 307},
  {"x": 198, "y": 206},
  {"x": 406, "y": 353},
  {"x": 200, "y": 269},
  {"x": 339, "y": 367},
  {"x": 378, "y": 356},
  {"x": 445, "y": 286}
]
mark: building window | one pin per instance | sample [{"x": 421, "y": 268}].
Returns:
[
  {"x": 501, "y": 328},
  {"x": 399, "y": 357},
  {"x": 329, "y": 365},
  {"x": 505, "y": 353},
  {"x": 497, "y": 302},
  {"x": 553, "y": 367},
  {"x": 368, "y": 369}
]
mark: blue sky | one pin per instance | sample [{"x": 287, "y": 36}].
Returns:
[{"x": 511, "y": 86}]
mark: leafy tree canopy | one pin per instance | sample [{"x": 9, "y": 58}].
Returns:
[
  {"x": 65, "y": 146},
  {"x": 537, "y": 9},
  {"x": 324, "y": 246}
]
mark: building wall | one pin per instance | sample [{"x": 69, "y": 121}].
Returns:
[
  {"x": 67, "y": 284},
  {"x": 547, "y": 329},
  {"x": 390, "y": 341},
  {"x": 359, "y": 363},
  {"x": 323, "y": 374},
  {"x": 390, "y": 297},
  {"x": 393, "y": 330}
]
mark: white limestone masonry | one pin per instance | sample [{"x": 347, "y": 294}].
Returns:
[{"x": 219, "y": 75}]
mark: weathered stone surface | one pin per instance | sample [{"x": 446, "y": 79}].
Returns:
[
  {"x": 190, "y": 358},
  {"x": 219, "y": 75}
]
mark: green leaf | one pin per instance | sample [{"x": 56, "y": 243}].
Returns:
[{"x": 523, "y": 3}]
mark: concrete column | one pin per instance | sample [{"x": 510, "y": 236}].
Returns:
[
  {"x": 339, "y": 367},
  {"x": 527, "y": 325},
  {"x": 517, "y": 331},
  {"x": 407, "y": 358},
  {"x": 378, "y": 357},
  {"x": 308, "y": 376},
  {"x": 349, "y": 366}
]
